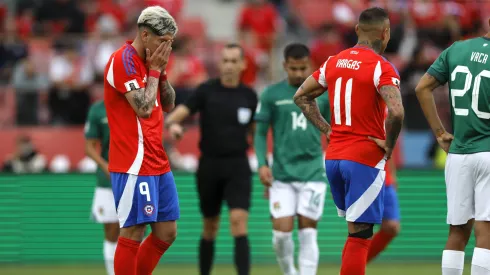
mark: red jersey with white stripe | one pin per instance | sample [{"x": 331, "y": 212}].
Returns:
[
  {"x": 353, "y": 78},
  {"x": 135, "y": 143}
]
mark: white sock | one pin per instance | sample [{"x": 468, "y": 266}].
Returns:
[
  {"x": 284, "y": 247},
  {"x": 452, "y": 262},
  {"x": 109, "y": 250},
  {"x": 309, "y": 253},
  {"x": 480, "y": 265}
]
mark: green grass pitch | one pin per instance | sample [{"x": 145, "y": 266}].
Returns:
[{"x": 375, "y": 269}]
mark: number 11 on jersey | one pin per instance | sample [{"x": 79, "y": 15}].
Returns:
[{"x": 347, "y": 101}]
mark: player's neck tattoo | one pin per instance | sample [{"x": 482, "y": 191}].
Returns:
[{"x": 376, "y": 45}]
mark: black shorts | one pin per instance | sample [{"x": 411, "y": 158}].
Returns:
[{"x": 221, "y": 179}]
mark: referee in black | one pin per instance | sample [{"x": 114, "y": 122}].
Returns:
[{"x": 226, "y": 108}]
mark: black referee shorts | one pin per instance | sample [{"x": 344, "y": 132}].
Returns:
[{"x": 219, "y": 179}]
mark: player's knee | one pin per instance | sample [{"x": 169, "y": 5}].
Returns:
[
  {"x": 168, "y": 236},
  {"x": 304, "y": 222},
  {"x": 363, "y": 234},
  {"x": 165, "y": 231},
  {"x": 482, "y": 236},
  {"x": 459, "y": 236},
  {"x": 136, "y": 232},
  {"x": 284, "y": 224},
  {"x": 210, "y": 228},
  {"x": 391, "y": 227},
  {"x": 238, "y": 222}
]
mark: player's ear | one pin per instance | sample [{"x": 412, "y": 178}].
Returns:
[
  {"x": 284, "y": 64},
  {"x": 385, "y": 34},
  {"x": 357, "y": 29},
  {"x": 145, "y": 35}
]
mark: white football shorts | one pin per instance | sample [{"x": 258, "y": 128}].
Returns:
[
  {"x": 468, "y": 187},
  {"x": 103, "y": 206},
  {"x": 297, "y": 198}
]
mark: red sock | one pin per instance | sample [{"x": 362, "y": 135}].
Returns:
[
  {"x": 343, "y": 250},
  {"x": 355, "y": 256},
  {"x": 125, "y": 256},
  {"x": 149, "y": 255},
  {"x": 379, "y": 243}
]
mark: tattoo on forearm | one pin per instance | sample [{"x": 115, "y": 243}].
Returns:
[
  {"x": 394, "y": 121},
  {"x": 144, "y": 99},
  {"x": 167, "y": 93},
  {"x": 310, "y": 109}
]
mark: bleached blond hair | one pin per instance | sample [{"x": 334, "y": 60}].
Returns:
[{"x": 158, "y": 20}]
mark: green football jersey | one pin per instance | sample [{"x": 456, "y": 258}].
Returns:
[
  {"x": 298, "y": 153},
  {"x": 466, "y": 66},
  {"x": 96, "y": 127}
]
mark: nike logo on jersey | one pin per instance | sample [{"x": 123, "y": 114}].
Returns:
[
  {"x": 479, "y": 57},
  {"x": 283, "y": 102}
]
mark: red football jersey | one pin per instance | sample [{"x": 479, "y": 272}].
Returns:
[
  {"x": 135, "y": 143},
  {"x": 353, "y": 78}
]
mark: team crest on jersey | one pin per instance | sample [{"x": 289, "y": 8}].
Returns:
[
  {"x": 276, "y": 205},
  {"x": 149, "y": 209}
]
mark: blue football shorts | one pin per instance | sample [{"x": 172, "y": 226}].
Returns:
[
  {"x": 145, "y": 199},
  {"x": 357, "y": 190},
  {"x": 392, "y": 208}
]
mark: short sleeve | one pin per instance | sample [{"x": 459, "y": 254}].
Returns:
[
  {"x": 124, "y": 73},
  {"x": 439, "y": 69},
  {"x": 92, "y": 129},
  {"x": 385, "y": 74},
  {"x": 264, "y": 108},
  {"x": 319, "y": 75},
  {"x": 196, "y": 100}
]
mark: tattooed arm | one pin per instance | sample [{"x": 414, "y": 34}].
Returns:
[
  {"x": 305, "y": 99},
  {"x": 143, "y": 100},
  {"x": 426, "y": 99},
  {"x": 393, "y": 124},
  {"x": 167, "y": 96}
]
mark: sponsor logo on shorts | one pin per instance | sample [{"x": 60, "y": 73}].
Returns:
[
  {"x": 149, "y": 209},
  {"x": 276, "y": 205}
]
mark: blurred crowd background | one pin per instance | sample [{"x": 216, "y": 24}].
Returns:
[{"x": 53, "y": 54}]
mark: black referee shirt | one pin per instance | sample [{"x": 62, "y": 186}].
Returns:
[{"x": 225, "y": 117}]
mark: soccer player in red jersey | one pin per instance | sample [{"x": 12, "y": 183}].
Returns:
[
  {"x": 136, "y": 93},
  {"x": 361, "y": 84}
]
